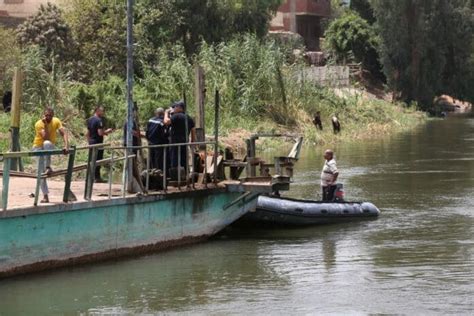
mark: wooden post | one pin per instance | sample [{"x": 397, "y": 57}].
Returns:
[
  {"x": 200, "y": 94},
  {"x": 251, "y": 154},
  {"x": 16, "y": 163}
]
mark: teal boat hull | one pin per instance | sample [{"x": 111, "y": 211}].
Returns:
[{"x": 41, "y": 238}]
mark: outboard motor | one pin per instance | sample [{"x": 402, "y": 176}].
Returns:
[{"x": 339, "y": 193}]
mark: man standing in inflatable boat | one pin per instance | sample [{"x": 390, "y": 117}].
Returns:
[{"x": 329, "y": 176}]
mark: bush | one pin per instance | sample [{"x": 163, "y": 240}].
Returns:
[
  {"x": 9, "y": 58},
  {"x": 350, "y": 38},
  {"x": 48, "y": 30}
]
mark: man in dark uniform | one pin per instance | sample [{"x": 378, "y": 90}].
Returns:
[
  {"x": 317, "y": 121},
  {"x": 179, "y": 121},
  {"x": 95, "y": 135},
  {"x": 157, "y": 134}
]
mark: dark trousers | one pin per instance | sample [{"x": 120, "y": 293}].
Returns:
[
  {"x": 157, "y": 156},
  {"x": 178, "y": 156},
  {"x": 328, "y": 193},
  {"x": 100, "y": 156}
]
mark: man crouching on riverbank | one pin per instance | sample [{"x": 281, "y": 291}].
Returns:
[
  {"x": 329, "y": 176},
  {"x": 45, "y": 139}
]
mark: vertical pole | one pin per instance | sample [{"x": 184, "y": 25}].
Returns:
[
  {"x": 216, "y": 134},
  {"x": 165, "y": 166},
  {"x": 186, "y": 151},
  {"x": 251, "y": 153},
  {"x": 38, "y": 178},
  {"x": 147, "y": 181},
  {"x": 129, "y": 90},
  {"x": 88, "y": 171},
  {"x": 125, "y": 173},
  {"x": 68, "y": 179},
  {"x": 16, "y": 163},
  {"x": 6, "y": 182},
  {"x": 179, "y": 167},
  {"x": 111, "y": 169},
  {"x": 193, "y": 164},
  {"x": 199, "y": 92},
  {"x": 249, "y": 159},
  {"x": 91, "y": 172},
  {"x": 205, "y": 167}
]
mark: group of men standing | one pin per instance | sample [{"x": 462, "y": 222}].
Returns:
[{"x": 171, "y": 126}]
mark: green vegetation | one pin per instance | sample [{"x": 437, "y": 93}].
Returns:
[
  {"x": 350, "y": 38},
  {"x": 74, "y": 59},
  {"x": 427, "y": 48},
  {"x": 257, "y": 82}
]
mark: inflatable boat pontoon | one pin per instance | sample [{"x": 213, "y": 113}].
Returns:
[{"x": 292, "y": 212}]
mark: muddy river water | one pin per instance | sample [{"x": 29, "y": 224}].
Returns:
[{"x": 417, "y": 258}]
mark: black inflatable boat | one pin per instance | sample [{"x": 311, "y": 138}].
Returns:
[{"x": 292, "y": 212}]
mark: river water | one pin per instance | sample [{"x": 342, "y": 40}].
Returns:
[{"x": 417, "y": 258}]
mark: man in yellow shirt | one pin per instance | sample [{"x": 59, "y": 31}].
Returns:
[{"x": 45, "y": 139}]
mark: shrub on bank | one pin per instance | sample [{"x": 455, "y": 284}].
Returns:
[{"x": 256, "y": 80}]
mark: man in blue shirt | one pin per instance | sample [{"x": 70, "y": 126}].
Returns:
[
  {"x": 157, "y": 134},
  {"x": 95, "y": 135}
]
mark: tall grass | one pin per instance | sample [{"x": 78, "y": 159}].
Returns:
[{"x": 257, "y": 79}]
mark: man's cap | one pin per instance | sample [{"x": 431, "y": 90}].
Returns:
[
  {"x": 159, "y": 111},
  {"x": 180, "y": 104}
]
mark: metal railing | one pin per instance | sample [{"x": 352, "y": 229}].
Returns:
[{"x": 127, "y": 158}]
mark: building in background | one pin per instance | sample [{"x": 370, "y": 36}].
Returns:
[
  {"x": 303, "y": 17},
  {"x": 14, "y": 12}
]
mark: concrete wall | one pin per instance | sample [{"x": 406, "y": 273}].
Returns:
[
  {"x": 23, "y": 8},
  {"x": 332, "y": 76}
]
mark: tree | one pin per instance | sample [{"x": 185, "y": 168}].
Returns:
[
  {"x": 99, "y": 27},
  {"x": 192, "y": 21},
  {"x": 364, "y": 9},
  {"x": 427, "y": 49},
  {"x": 9, "y": 58},
  {"x": 48, "y": 30},
  {"x": 351, "y": 38},
  {"x": 458, "y": 73}
]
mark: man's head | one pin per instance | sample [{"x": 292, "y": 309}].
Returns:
[
  {"x": 159, "y": 112},
  {"x": 99, "y": 111},
  {"x": 48, "y": 114},
  {"x": 328, "y": 154},
  {"x": 179, "y": 106}
]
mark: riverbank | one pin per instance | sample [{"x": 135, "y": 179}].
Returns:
[{"x": 362, "y": 117}]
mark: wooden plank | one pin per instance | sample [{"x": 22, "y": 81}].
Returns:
[{"x": 295, "y": 151}]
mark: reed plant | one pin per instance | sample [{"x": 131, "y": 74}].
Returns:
[{"x": 259, "y": 83}]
